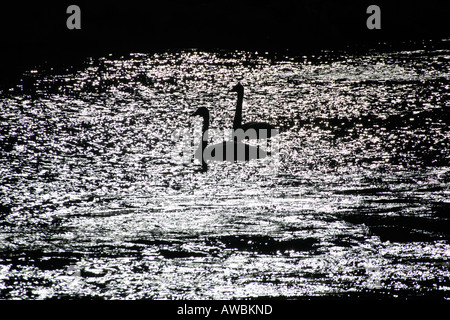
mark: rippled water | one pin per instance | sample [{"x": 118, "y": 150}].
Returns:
[{"x": 94, "y": 202}]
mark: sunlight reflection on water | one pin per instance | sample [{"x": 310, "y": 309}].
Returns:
[{"x": 94, "y": 205}]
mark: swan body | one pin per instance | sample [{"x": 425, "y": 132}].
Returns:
[
  {"x": 232, "y": 151},
  {"x": 262, "y": 129}
]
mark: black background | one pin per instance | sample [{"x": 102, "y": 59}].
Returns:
[
  {"x": 32, "y": 31},
  {"x": 36, "y": 32},
  {"x": 281, "y": 309}
]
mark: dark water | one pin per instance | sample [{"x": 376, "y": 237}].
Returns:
[{"x": 95, "y": 203}]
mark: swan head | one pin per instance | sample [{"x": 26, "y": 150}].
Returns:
[
  {"x": 202, "y": 112},
  {"x": 238, "y": 88}
]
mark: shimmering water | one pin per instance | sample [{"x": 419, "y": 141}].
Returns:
[{"x": 94, "y": 203}]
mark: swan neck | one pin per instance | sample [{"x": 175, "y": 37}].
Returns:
[
  {"x": 238, "y": 115},
  {"x": 204, "y": 140},
  {"x": 205, "y": 125}
]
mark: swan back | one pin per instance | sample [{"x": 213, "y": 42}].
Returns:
[{"x": 232, "y": 151}]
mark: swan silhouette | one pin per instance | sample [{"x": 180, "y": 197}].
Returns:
[
  {"x": 262, "y": 129},
  {"x": 232, "y": 151}
]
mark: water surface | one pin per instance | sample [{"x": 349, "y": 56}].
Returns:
[{"x": 95, "y": 202}]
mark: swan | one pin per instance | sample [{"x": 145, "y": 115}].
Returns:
[
  {"x": 259, "y": 127},
  {"x": 232, "y": 151}
]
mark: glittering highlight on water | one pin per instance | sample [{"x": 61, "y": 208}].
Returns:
[{"x": 93, "y": 203}]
